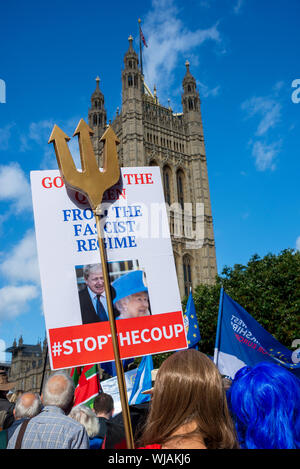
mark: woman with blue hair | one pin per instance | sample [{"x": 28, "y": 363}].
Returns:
[{"x": 265, "y": 405}]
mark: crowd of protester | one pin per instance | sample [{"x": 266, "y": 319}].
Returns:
[{"x": 192, "y": 407}]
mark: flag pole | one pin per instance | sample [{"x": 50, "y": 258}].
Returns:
[
  {"x": 141, "y": 57},
  {"x": 44, "y": 369},
  {"x": 218, "y": 326}
]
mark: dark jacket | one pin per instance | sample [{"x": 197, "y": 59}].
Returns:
[
  {"x": 138, "y": 416},
  {"x": 6, "y": 413},
  {"x": 113, "y": 434},
  {"x": 88, "y": 313}
]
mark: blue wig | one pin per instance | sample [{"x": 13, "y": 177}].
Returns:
[{"x": 265, "y": 405}]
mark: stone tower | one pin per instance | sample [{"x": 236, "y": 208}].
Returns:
[
  {"x": 97, "y": 119},
  {"x": 151, "y": 134}
]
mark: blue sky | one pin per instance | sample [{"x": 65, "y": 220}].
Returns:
[{"x": 244, "y": 55}]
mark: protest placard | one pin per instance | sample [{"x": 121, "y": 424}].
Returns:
[{"x": 141, "y": 267}]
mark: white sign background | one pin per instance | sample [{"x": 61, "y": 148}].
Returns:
[{"x": 59, "y": 248}]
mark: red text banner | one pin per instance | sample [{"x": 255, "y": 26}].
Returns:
[{"x": 92, "y": 343}]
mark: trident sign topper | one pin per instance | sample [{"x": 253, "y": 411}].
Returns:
[{"x": 93, "y": 183}]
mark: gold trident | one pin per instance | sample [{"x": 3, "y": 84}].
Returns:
[{"x": 93, "y": 183}]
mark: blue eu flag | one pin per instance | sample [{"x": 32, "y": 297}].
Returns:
[
  {"x": 191, "y": 323},
  {"x": 241, "y": 341}
]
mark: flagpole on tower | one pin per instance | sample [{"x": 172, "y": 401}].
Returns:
[{"x": 141, "y": 55}]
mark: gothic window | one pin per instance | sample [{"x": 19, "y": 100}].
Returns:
[
  {"x": 187, "y": 274},
  {"x": 129, "y": 80},
  {"x": 135, "y": 81},
  {"x": 153, "y": 163},
  {"x": 96, "y": 104},
  {"x": 191, "y": 106},
  {"x": 167, "y": 183},
  {"x": 95, "y": 119},
  {"x": 180, "y": 187},
  {"x": 100, "y": 119}
]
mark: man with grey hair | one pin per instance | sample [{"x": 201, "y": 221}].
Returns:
[
  {"x": 52, "y": 428},
  {"x": 27, "y": 406},
  {"x": 92, "y": 297}
]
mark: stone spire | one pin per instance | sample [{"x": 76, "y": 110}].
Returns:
[
  {"x": 190, "y": 96},
  {"x": 97, "y": 113},
  {"x": 97, "y": 119},
  {"x": 131, "y": 59}
]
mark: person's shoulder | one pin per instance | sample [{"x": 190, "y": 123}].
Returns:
[
  {"x": 5, "y": 404},
  {"x": 83, "y": 291},
  {"x": 71, "y": 422},
  {"x": 55, "y": 415}
]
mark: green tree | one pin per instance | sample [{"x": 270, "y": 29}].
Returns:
[{"x": 268, "y": 288}]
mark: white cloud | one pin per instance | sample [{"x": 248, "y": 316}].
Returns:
[
  {"x": 169, "y": 41},
  {"x": 22, "y": 265},
  {"x": 205, "y": 91},
  {"x": 267, "y": 108},
  {"x": 14, "y": 187},
  {"x": 298, "y": 243},
  {"x": 14, "y": 300},
  {"x": 20, "y": 271},
  {"x": 40, "y": 131},
  {"x": 268, "y": 112},
  {"x": 238, "y": 6},
  {"x": 265, "y": 155},
  {"x": 5, "y": 134}
]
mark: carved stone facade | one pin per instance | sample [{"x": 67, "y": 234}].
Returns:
[
  {"x": 151, "y": 134},
  {"x": 27, "y": 365}
]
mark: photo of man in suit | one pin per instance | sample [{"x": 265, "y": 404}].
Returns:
[{"x": 92, "y": 297}]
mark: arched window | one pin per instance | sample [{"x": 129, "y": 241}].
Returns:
[
  {"x": 153, "y": 163},
  {"x": 130, "y": 82},
  {"x": 187, "y": 274},
  {"x": 95, "y": 119},
  {"x": 191, "y": 105},
  {"x": 180, "y": 187},
  {"x": 167, "y": 183}
]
